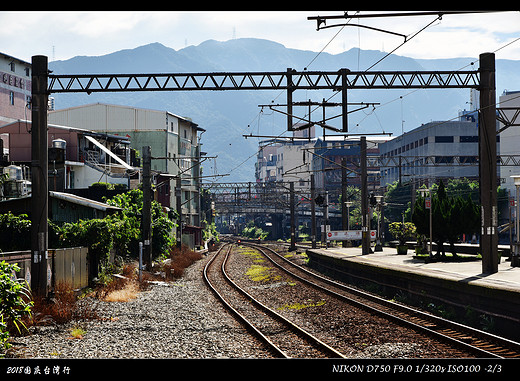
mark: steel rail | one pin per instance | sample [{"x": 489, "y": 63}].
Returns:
[
  {"x": 237, "y": 314},
  {"x": 291, "y": 326},
  {"x": 444, "y": 326}
]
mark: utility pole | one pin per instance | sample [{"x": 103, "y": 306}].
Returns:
[
  {"x": 178, "y": 202},
  {"x": 344, "y": 197},
  {"x": 146, "y": 226},
  {"x": 39, "y": 176},
  {"x": 326, "y": 217},
  {"x": 313, "y": 213},
  {"x": 365, "y": 229},
  {"x": 487, "y": 164},
  {"x": 293, "y": 217}
]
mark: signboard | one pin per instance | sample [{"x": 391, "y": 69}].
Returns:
[
  {"x": 346, "y": 235},
  {"x": 427, "y": 203}
]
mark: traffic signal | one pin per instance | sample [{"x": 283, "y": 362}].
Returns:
[
  {"x": 320, "y": 200},
  {"x": 373, "y": 201}
]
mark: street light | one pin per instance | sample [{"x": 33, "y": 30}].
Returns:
[
  {"x": 428, "y": 205},
  {"x": 515, "y": 256}
]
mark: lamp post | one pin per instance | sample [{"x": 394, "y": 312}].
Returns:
[
  {"x": 427, "y": 195},
  {"x": 348, "y": 204},
  {"x": 515, "y": 256}
]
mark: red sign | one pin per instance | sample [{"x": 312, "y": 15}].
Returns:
[{"x": 427, "y": 203}]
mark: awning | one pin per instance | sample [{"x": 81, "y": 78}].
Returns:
[{"x": 108, "y": 152}]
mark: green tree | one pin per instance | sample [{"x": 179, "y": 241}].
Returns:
[
  {"x": 127, "y": 225},
  {"x": 397, "y": 199},
  {"x": 451, "y": 217}
]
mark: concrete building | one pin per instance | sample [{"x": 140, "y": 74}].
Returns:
[
  {"x": 174, "y": 142},
  {"x": 15, "y": 89},
  {"x": 329, "y": 153},
  {"x": 77, "y": 157},
  {"x": 433, "y": 151},
  {"x": 509, "y": 139},
  {"x": 285, "y": 159}
]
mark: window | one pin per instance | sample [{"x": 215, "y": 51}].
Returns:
[
  {"x": 469, "y": 139},
  {"x": 444, "y": 139},
  {"x": 11, "y": 98}
]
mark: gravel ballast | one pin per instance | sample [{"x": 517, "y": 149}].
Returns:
[{"x": 180, "y": 319}]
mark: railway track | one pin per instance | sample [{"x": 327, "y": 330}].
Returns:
[
  {"x": 284, "y": 338},
  {"x": 469, "y": 340}
]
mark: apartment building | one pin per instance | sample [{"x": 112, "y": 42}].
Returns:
[
  {"x": 509, "y": 138},
  {"x": 286, "y": 159},
  {"x": 15, "y": 89},
  {"x": 173, "y": 139}
]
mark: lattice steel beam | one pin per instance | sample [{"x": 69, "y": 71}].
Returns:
[{"x": 305, "y": 80}]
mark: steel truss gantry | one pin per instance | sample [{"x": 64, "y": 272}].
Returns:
[
  {"x": 45, "y": 83},
  {"x": 288, "y": 80}
]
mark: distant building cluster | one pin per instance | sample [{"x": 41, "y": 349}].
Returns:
[
  {"x": 97, "y": 143},
  {"x": 426, "y": 154}
]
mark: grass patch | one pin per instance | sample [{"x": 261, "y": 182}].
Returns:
[
  {"x": 300, "y": 306},
  {"x": 77, "y": 333},
  {"x": 255, "y": 255},
  {"x": 259, "y": 273}
]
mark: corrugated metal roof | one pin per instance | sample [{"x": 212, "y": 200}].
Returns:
[{"x": 82, "y": 201}]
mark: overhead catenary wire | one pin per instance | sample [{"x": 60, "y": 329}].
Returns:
[{"x": 384, "y": 104}]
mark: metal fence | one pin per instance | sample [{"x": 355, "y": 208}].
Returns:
[{"x": 68, "y": 266}]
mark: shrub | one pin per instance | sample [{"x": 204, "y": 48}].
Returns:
[
  {"x": 15, "y": 302},
  {"x": 14, "y": 231},
  {"x": 402, "y": 231}
]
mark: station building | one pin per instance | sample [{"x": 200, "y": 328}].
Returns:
[{"x": 433, "y": 151}]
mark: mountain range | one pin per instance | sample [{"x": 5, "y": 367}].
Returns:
[{"x": 228, "y": 115}]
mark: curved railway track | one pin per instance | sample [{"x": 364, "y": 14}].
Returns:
[
  {"x": 284, "y": 338},
  {"x": 469, "y": 340}
]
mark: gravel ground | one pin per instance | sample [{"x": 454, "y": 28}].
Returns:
[{"x": 180, "y": 319}]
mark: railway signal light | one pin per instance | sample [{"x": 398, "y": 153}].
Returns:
[{"x": 319, "y": 200}]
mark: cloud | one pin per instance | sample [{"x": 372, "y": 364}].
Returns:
[{"x": 68, "y": 34}]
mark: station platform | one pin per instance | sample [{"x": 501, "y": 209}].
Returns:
[{"x": 456, "y": 283}]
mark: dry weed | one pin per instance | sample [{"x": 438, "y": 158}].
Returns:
[{"x": 128, "y": 292}]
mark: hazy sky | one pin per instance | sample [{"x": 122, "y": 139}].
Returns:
[{"x": 62, "y": 35}]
